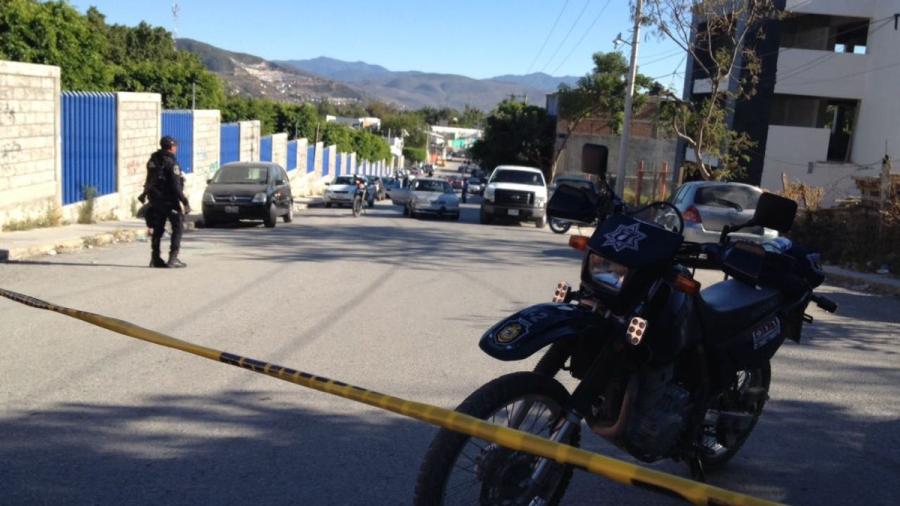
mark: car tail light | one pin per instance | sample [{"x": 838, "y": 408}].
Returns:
[{"x": 692, "y": 215}]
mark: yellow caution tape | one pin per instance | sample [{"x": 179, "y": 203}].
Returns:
[{"x": 614, "y": 469}]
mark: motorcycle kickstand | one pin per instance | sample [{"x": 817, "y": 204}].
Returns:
[{"x": 697, "y": 472}]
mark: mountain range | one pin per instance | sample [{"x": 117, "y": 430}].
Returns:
[{"x": 339, "y": 81}]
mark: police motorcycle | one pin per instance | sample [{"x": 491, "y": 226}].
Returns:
[
  {"x": 664, "y": 369},
  {"x": 359, "y": 197}
]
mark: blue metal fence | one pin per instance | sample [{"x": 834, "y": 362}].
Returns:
[
  {"x": 292, "y": 155},
  {"x": 310, "y": 159},
  {"x": 265, "y": 148},
  {"x": 180, "y": 125},
  {"x": 230, "y": 143},
  {"x": 325, "y": 153},
  {"x": 88, "y": 144}
]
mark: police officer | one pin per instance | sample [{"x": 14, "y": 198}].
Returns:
[{"x": 164, "y": 187}]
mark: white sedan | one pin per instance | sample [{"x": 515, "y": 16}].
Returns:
[{"x": 432, "y": 196}]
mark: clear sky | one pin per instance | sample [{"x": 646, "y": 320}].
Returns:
[{"x": 477, "y": 38}]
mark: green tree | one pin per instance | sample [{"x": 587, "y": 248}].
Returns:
[
  {"x": 723, "y": 48},
  {"x": 54, "y": 33},
  {"x": 516, "y": 133}
]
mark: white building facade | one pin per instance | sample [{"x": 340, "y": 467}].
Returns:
[{"x": 828, "y": 104}]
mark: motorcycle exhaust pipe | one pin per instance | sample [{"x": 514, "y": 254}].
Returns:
[{"x": 613, "y": 431}]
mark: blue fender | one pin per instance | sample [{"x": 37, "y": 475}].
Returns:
[{"x": 519, "y": 336}]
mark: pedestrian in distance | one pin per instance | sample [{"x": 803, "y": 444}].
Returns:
[{"x": 164, "y": 188}]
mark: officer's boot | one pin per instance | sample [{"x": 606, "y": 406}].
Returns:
[
  {"x": 156, "y": 260},
  {"x": 174, "y": 262}
]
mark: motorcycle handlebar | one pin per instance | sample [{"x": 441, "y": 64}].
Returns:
[{"x": 825, "y": 303}]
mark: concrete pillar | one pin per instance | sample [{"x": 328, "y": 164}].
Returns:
[
  {"x": 30, "y": 148},
  {"x": 352, "y": 162},
  {"x": 279, "y": 149},
  {"x": 138, "y": 129},
  {"x": 207, "y": 140},
  {"x": 302, "y": 146},
  {"x": 318, "y": 161},
  {"x": 332, "y": 159},
  {"x": 250, "y": 135}
]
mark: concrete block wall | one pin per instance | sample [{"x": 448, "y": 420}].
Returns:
[
  {"x": 318, "y": 161},
  {"x": 279, "y": 149},
  {"x": 302, "y": 147},
  {"x": 332, "y": 160},
  {"x": 250, "y": 135},
  {"x": 138, "y": 129},
  {"x": 207, "y": 140},
  {"x": 30, "y": 149}
]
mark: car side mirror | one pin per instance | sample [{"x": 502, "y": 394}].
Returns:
[
  {"x": 327, "y": 183},
  {"x": 775, "y": 212},
  {"x": 208, "y": 181},
  {"x": 573, "y": 204}
]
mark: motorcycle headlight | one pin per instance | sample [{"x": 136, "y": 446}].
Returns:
[
  {"x": 208, "y": 198},
  {"x": 260, "y": 198},
  {"x": 605, "y": 273}
]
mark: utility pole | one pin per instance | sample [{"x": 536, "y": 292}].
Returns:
[
  {"x": 193, "y": 96},
  {"x": 629, "y": 99}
]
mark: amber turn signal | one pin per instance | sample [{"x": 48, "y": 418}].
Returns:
[
  {"x": 686, "y": 284},
  {"x": 579, "y": 242}
]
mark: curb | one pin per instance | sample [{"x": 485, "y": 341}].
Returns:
[
  {"x": 124, "y": 235},
  {"x": 862, "y": 282}
]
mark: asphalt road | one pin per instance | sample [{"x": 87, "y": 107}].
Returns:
[{"x": 392, "y": 304}]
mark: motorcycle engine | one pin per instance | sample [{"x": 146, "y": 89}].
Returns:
[{"x": 658, "y": 418}]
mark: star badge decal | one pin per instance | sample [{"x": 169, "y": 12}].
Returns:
[{"x": 624, "y": 237}]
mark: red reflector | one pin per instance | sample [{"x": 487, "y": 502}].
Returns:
[
  {"x": 692, "y": 215},
  {"x": 579, "y": 242},
  {"x": 686, "y": 284}
]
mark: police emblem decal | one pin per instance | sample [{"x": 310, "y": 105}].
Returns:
[{"x": 624, "y": 237}]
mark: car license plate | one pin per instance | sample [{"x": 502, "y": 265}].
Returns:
[
  {"x": 232, "y": 209},
  {"x": 513, "y": 212}
]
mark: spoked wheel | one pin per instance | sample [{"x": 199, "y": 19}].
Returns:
[
  {"x": 462, "y": 470},
  {"x": 559, "y": 226},
  {"x": 732, "y": 415},
  {"x": 357, "y": 206}
]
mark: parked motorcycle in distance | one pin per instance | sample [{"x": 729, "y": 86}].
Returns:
[{"x": 665, "y": 370}]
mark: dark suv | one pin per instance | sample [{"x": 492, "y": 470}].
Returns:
[{"x": 248, "y": 191}]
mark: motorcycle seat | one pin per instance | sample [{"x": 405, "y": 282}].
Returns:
[{"x": 731, "y": 306}]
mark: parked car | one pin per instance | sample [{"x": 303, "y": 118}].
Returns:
[
  {"x": 476, "y": 185},
  {"x": 340, "y": 192},
  {"x": 378, "y": 184},
  {"x": 391, "y": 184},
  {"x": 515, "y": 192},
  {"x": 708, "y": 206},
  {"x": 456, "y": 182},
  {"x": 248, "y": 191},
  {"x": 432, "y": 196},
  {"x": 576, "y": 181}
]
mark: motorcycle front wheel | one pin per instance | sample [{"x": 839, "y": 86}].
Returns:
[
  {"x": 461, "y": 470},
  {"x": 357, "y": 206},
  {"x": 559, "y": 226}
]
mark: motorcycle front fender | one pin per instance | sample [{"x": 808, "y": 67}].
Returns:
[{"x": 522, "y": 334}]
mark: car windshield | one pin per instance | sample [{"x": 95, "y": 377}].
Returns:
[
  {"x": 345, "y": 180},
  {"x": 518, "y": 177},
  {"x": 432, "y": 186},
  {"x": 242, "y": 175},
  {"x": 732, "y": 196},
  {"x": 576, "y": 183}
]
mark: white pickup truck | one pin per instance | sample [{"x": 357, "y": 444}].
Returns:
[{"x": 515, "y": 192}]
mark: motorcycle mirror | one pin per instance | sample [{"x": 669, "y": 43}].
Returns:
[
  {"x": 775, "y": 212},
  {"x": 594, "y": 158}
]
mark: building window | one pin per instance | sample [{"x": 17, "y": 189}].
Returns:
[
  {"x": 839, "y": 34},
  {"x": 838, "y": 115}
]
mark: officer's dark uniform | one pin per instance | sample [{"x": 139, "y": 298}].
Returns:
[{"x": 164, "y": 188}]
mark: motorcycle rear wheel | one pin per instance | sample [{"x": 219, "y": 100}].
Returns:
[
  {"x": 456, "y": 463},
  {"x": 714, "y": 455}
]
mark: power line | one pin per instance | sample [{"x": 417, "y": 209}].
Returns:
[
  {"x": 566, "y": 37},
  {"x": 583, "y": 36},
  {"x": 547, "y": 39}
]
